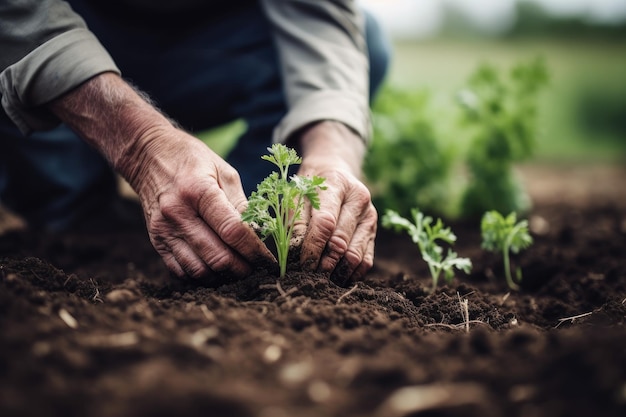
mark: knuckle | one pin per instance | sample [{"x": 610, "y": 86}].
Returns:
[
  {"x": 338, "y": 243},
  {"x": 368, "y": 262},
  {"x": 196, "y": 270},
  {"x": 221, "y": 262},
  {"x": 173, "y": 266},
  {"x": 326, "y": 222},
  {"x": 353, "y": 257},
  {"x": 229, "y": 175},
  {"x": 363, "y": 195},
  {"x": 169, "y": 206},
  {"x": 232, "y": 232}
]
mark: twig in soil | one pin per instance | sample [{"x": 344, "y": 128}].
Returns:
[
  {"x": 96, "y": 296},
  {"x": 505, "y": 297},
  {"x": 68, "y": 318},
  {"x": 458, "y": 326},
  {"x": 280, "y": 289},
  {"x": 573, "y": 318},
  {"x": 283, "y": 293},
  {"x": 208, "y": 314},
  {"x": 624, "y": 301},
  {"x": 347, "y": 293},
  {"x": 464, "y": 304}
]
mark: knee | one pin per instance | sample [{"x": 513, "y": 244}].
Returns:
[{"x": 379, "y": 50}]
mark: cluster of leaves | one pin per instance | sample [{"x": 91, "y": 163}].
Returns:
[
  {"x": 505, "y": 234},
  {"x": 499, "y": 234},
  {"x": 408, "y": 163},
  {"x": 427, "y": 236},
  {"x": 501, "y": 111},
  {"x": 418, "y": 159},
  {"x": 277, "y": 204}
]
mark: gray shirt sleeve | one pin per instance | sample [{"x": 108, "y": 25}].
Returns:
[
  {"x": 323, "y": 56},
  {"x": 47, "y": 50}
]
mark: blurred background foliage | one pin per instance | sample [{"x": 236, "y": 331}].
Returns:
[
  {"x": 570, "y": 109},
  {"x": 438, "y": 46}
]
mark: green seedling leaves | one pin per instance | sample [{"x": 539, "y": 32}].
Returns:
[
  {"x": 500, "y": 111},
  {"x": 427, "y": 236},
  {"x": 505, "y": 234},
  {"x": 278, "y": 202}
]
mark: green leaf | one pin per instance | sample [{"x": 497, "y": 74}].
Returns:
[
  {"x": 278, "y": 201},
  {"x": 427, "y": 235},
  {"x": 504, "y": 234}
]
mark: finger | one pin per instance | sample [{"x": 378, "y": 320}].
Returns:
[
  {"x": 212, "y": 250},
  {"x": 197, "y": 243},
  {"x": 230, "y": 183},
  {"x": 188, "y": 260},
  {"x": 341, "y": 275},
  {"x": 366, "y": 264},
  {"x": 360, "y": 252},
  {"x": 178, "y": 256},
  {"x": 322, "y": 223},
  {"x": 197, "y": 237},
  {"x": 172, "y": 264},
  {"x": 343, "y": 237},
  {"x": 300, "y": 226},
  {"x": 225, "y": 220}
]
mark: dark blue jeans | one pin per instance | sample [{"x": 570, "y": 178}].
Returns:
[{"x": 203, "y": 78}]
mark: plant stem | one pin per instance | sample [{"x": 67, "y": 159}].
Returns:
[
  {"x": 507, "y": 269},
  {"x": 282, "y": 245},
  {"x": 435, "y": 276},
  {"x": 507, "y": 263}
]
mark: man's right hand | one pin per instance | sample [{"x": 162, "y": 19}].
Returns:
[
  {"x": 192, "y": 198},
  {"x": 193, "y": 201}
]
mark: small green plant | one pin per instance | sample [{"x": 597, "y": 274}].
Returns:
[
  {"x": 409, "y": 161},
  {"x": 505, "y": 234},
  {"x": 427, "y": 235},
  {"x": 419, "y": 157},
  {"x": 277, "y": 203},
  {"x": 501, "y": 113}
]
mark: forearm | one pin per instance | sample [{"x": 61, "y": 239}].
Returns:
[{"x": 112, "y": 117}]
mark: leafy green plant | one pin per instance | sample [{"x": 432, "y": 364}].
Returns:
[
  {"x": 505, "y": 234},
  {"x": 427, "y": 237},
  {"x": 501, "y": 113},
  {"x": 419, "y": 157},
  {"x": 408, "y": 163},
  {"x": 277, "y": 203}
]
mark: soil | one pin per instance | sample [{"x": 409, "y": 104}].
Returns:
[{"x": 93, "y": 325}]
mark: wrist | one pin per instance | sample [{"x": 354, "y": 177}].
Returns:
[{"x": 331, "y": 142}]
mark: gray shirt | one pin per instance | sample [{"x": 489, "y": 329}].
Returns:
[{"x": 47, "y": 50}]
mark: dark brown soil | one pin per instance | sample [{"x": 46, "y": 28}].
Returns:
[{"x": 92, "y": 325}]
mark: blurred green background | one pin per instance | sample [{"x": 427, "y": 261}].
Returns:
[
  {"x": 437, "y": 44},
  {"x": 581, "y": 112}
]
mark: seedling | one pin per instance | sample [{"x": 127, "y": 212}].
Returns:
[
  {"x": 277, "y": 203},
  {"x": 500, "y": 111},
  {"x": 427, "y": 235},
  {"x": 505, "y": 234}
]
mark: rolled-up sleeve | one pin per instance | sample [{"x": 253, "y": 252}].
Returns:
[
  {"x": 46, "y": 50},
  {"x": 321, "y": 45}
]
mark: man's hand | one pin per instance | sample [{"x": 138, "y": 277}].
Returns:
[
  {"x": 339, "y": 237},
  {"x": 193, "y": 202},
  {"x": 192, "y": 199}
]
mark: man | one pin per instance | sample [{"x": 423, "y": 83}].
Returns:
[{"x": 295, "y": 71}]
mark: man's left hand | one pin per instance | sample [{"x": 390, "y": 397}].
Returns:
[{"x": 339, "y": 237}]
